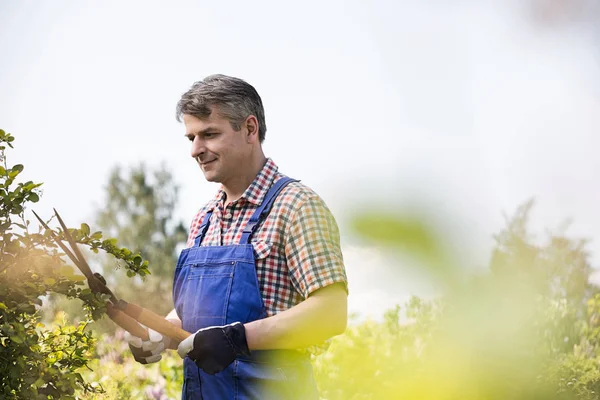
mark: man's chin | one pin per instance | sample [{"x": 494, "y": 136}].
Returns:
[{"x": 211, "y": 177}]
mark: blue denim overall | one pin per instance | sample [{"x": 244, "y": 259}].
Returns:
[{"x": 218, "y": 285}]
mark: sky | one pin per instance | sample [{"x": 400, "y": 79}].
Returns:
[{"x": 458, "y": 111}]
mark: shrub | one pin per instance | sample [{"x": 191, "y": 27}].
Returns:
[{"x": 39, "y": 362}]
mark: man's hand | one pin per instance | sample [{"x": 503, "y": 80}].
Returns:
[
  {"x": 215, "y": 347},
  {"x": 147, "y": 351}
]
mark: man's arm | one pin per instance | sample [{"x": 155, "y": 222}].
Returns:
[
  {"x": 315, "y": 262},
  {"x": 322, "y": 315},
  {"x": 316, "y": 271}
]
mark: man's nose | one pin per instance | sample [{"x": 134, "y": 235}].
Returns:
[{"x": 197, "y": 147}]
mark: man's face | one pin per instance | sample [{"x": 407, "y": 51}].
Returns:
[{"x": 219, "y": 150}]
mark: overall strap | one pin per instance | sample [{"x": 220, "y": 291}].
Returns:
[
  {"x": 203, "y": 229},
  {"x": 263, "y": 210}
]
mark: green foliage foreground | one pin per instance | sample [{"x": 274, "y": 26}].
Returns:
[
  {"x": 37, "y": 362},
  {"x": 527, "y": 327}
]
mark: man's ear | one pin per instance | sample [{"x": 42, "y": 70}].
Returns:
[{"x": 251, "y": 125}]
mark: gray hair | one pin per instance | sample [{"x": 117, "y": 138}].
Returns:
[{"x": 235, "y": 99}]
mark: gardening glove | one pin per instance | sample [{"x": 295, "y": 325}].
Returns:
[
  {"x": 147, "y": 351},
  {"x": 215, "y": 347}
]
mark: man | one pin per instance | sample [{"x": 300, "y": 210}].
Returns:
[{"x": 262, "y": 276}]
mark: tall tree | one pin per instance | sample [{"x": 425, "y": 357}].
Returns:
[
  {"x": 139, "y": 210},
  {"x": 558, "y": 268}
]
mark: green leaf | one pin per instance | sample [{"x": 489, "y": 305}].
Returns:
[
  {"x": 33, "y": 197},
  {"x": 85, "y": 228},
  {"x": 109, "y": 242},
  {"x": 18, "y": 167},
  {"x": 30, "y": 185},
  {"x": 3, "y": 306},
  {"x": 130, "y": 273}
]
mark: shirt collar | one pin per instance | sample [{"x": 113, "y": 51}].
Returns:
[{"x": 256, "y": 192}]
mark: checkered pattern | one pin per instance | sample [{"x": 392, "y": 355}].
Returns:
[{"x": 297, "y": 247}]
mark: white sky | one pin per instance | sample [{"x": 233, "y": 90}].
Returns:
[{"x": 458, "y": 109}]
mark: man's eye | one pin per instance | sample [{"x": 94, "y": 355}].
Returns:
[
  {"x": 209, "y": 135},
  {"x": 190, "y": 138}
]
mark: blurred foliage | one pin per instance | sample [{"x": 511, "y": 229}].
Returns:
[
  {"x": 39, "y": 362},
  {"x": 525, "y": 328}
]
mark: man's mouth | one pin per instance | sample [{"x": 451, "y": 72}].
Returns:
[{"x": 203, "y": 163}]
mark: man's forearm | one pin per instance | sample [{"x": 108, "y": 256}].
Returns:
[{"x": 323, "y": 315}]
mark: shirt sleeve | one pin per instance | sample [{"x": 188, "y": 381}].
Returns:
[{"x": 312, "y": 248}]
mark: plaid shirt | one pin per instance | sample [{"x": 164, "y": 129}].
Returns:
[{"x": 297, "y": 247}]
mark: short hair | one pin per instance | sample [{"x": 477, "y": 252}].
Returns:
[{"x": 235, "y": 99}]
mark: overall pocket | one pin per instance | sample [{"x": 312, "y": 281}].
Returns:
[
  {"x": 205, "y": 295},
  {"x": 246, "y": 300}
]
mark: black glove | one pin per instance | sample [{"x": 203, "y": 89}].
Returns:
[{"x": 214, "y": 348}]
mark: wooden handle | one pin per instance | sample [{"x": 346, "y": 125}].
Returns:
[
  {"x": 154, "y": 321},
  {"x": 126, "y": 322}
]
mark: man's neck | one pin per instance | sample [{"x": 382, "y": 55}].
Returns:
[{"x": 235, "y": 187}]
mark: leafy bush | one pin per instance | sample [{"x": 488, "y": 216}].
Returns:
[{"x": 35, "y": 361}]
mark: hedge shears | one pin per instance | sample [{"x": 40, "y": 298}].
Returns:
[{"x": 127, "y": 315}]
